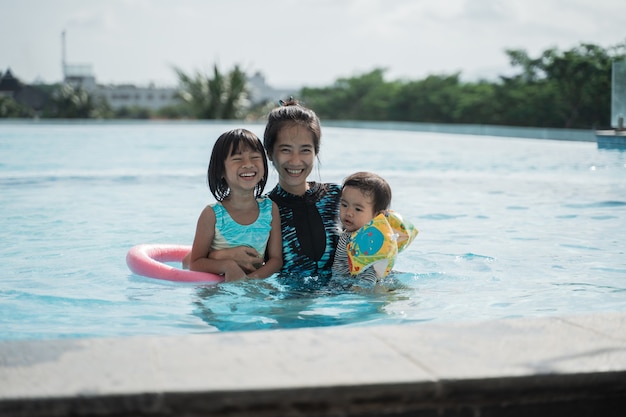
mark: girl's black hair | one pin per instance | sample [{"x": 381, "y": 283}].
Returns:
[
  {"x": 291, "y": 112},
  {"x": 228, "y": 144}
]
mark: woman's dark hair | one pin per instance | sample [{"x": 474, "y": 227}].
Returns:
[
  {"x": 288, "y": 114},
  {"x": 228, "y": 144},
  {"x": 372, "y": 185}
]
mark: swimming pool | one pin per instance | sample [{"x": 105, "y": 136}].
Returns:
[{"x": 508, "y": 228}]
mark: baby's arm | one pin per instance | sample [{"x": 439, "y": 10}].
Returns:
[
  {"x": 340, "y": 263},
  {"x": 274, "y": 249},
  {"x": 201, "y": 249},
  {"x": 369, "y": 275}
]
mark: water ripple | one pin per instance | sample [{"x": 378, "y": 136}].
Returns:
[{"x": 598, "y": 204}]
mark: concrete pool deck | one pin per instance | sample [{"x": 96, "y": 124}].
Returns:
[{"x": 573, "y": 365}]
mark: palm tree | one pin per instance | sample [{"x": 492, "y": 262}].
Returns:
[
  {"x": 219, "y": 97},
  {"x": 76, "y": 103}
]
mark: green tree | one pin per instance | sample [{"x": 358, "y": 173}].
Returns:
[
  {"x": 476, "y": 101},
  {"x": 10, "y": 108},
  {"x": 173, "y": 112},
  {"x": 569, "y": 89},
  {"x": 431, "y": 100},
  {"x": 71, "y": 102},
  {"x": 222, "y": 96},
  {"x": 133, "y": 112},
  {"x": 364, "y": 97}
]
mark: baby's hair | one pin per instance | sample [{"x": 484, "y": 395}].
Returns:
[
  {"x": 291, "y": 113},
  {"x": 372, "y": 185},
  {"x": 228, "y": 144}
]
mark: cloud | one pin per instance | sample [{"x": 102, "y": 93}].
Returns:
[{"x": 295, "y": 42}]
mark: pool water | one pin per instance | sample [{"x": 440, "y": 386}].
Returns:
[{"x": 508, "y": 228}]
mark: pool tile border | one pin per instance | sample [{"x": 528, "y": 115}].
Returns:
[{"x": 500, "y": 367}]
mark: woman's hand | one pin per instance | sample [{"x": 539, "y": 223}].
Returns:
[
  {"x": 246, "y": 257},
  {"x": 232, "y": 272}
]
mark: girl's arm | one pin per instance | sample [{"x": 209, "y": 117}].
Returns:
[
  {"x": 274, "y": 249},
  {"x": 199, "y": 259}
]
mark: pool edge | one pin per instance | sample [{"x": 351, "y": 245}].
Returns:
[{"x": 574, "y": 364}]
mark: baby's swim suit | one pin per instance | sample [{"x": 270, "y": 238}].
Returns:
[{"x": 370, "y": 252}]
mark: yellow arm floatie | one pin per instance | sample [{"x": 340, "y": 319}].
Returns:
[
  {"x": 403, "y": 228},
  {"x": 378, "y": 242}
]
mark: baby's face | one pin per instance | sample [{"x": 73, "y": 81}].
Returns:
[{"x": 356, "y": 208}]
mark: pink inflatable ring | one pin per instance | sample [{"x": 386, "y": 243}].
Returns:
[{"x": 148, "y": 261}]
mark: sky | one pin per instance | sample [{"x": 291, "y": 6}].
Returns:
[{"x": 294, "y": 43}]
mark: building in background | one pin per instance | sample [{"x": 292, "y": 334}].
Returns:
[
  {"x": 23, "y": 94},
  {"x": 128, "y": 95},
  {"x": 261, "y": 92},
  {"x": 121, "y": 96},
  {"x": 118, "y": 96},
  {"x": 151, "y": 97}
]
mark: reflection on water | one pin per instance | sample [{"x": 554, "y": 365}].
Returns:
[{"x": 276, "y": 304}]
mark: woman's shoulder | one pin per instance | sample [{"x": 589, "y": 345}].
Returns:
[
  {"x": 318, "y": 193},
  {"x": 334, "y": 188},
  {"x": 314, "y": 185},
  {"x": 324, "y": 188}
]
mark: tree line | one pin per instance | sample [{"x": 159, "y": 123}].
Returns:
[{"x": 558, "y": 89}]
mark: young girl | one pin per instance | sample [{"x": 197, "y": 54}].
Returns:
[
  {"x": 237, "y": 175},
  {"x": 373, "y": 235}
]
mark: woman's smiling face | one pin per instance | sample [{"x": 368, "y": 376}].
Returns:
[{"x": 293, "y": 158}]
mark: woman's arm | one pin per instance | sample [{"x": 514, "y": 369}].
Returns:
[
  {"x": 246, "y": 257},
  {"x": 274, "y": 249},
  {"x": 201, "y": 249}
]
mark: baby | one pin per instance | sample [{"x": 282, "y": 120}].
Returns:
[{"x": 373, "y": 235}]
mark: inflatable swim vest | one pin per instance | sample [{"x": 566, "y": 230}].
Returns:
[
  {"x": 148, "y": 261},
  {"x": 378, "y": 243}
]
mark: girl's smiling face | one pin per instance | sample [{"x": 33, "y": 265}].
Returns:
[
  {"x": 356, "y": 208},
  {"x": 244, "y": 169}
]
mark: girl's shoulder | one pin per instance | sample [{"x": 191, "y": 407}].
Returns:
[
  {"x": 264, "y": 202},
  {"x": 209, "y": 213},
  {"x": 215, "y": 207}
]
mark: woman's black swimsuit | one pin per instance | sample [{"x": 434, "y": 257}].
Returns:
[{"x": 310, "y": 229}]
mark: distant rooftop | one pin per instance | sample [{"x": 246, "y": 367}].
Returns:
[
  {"x": 78, "y": 70},
  {"x": 8, "y": 82}
]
